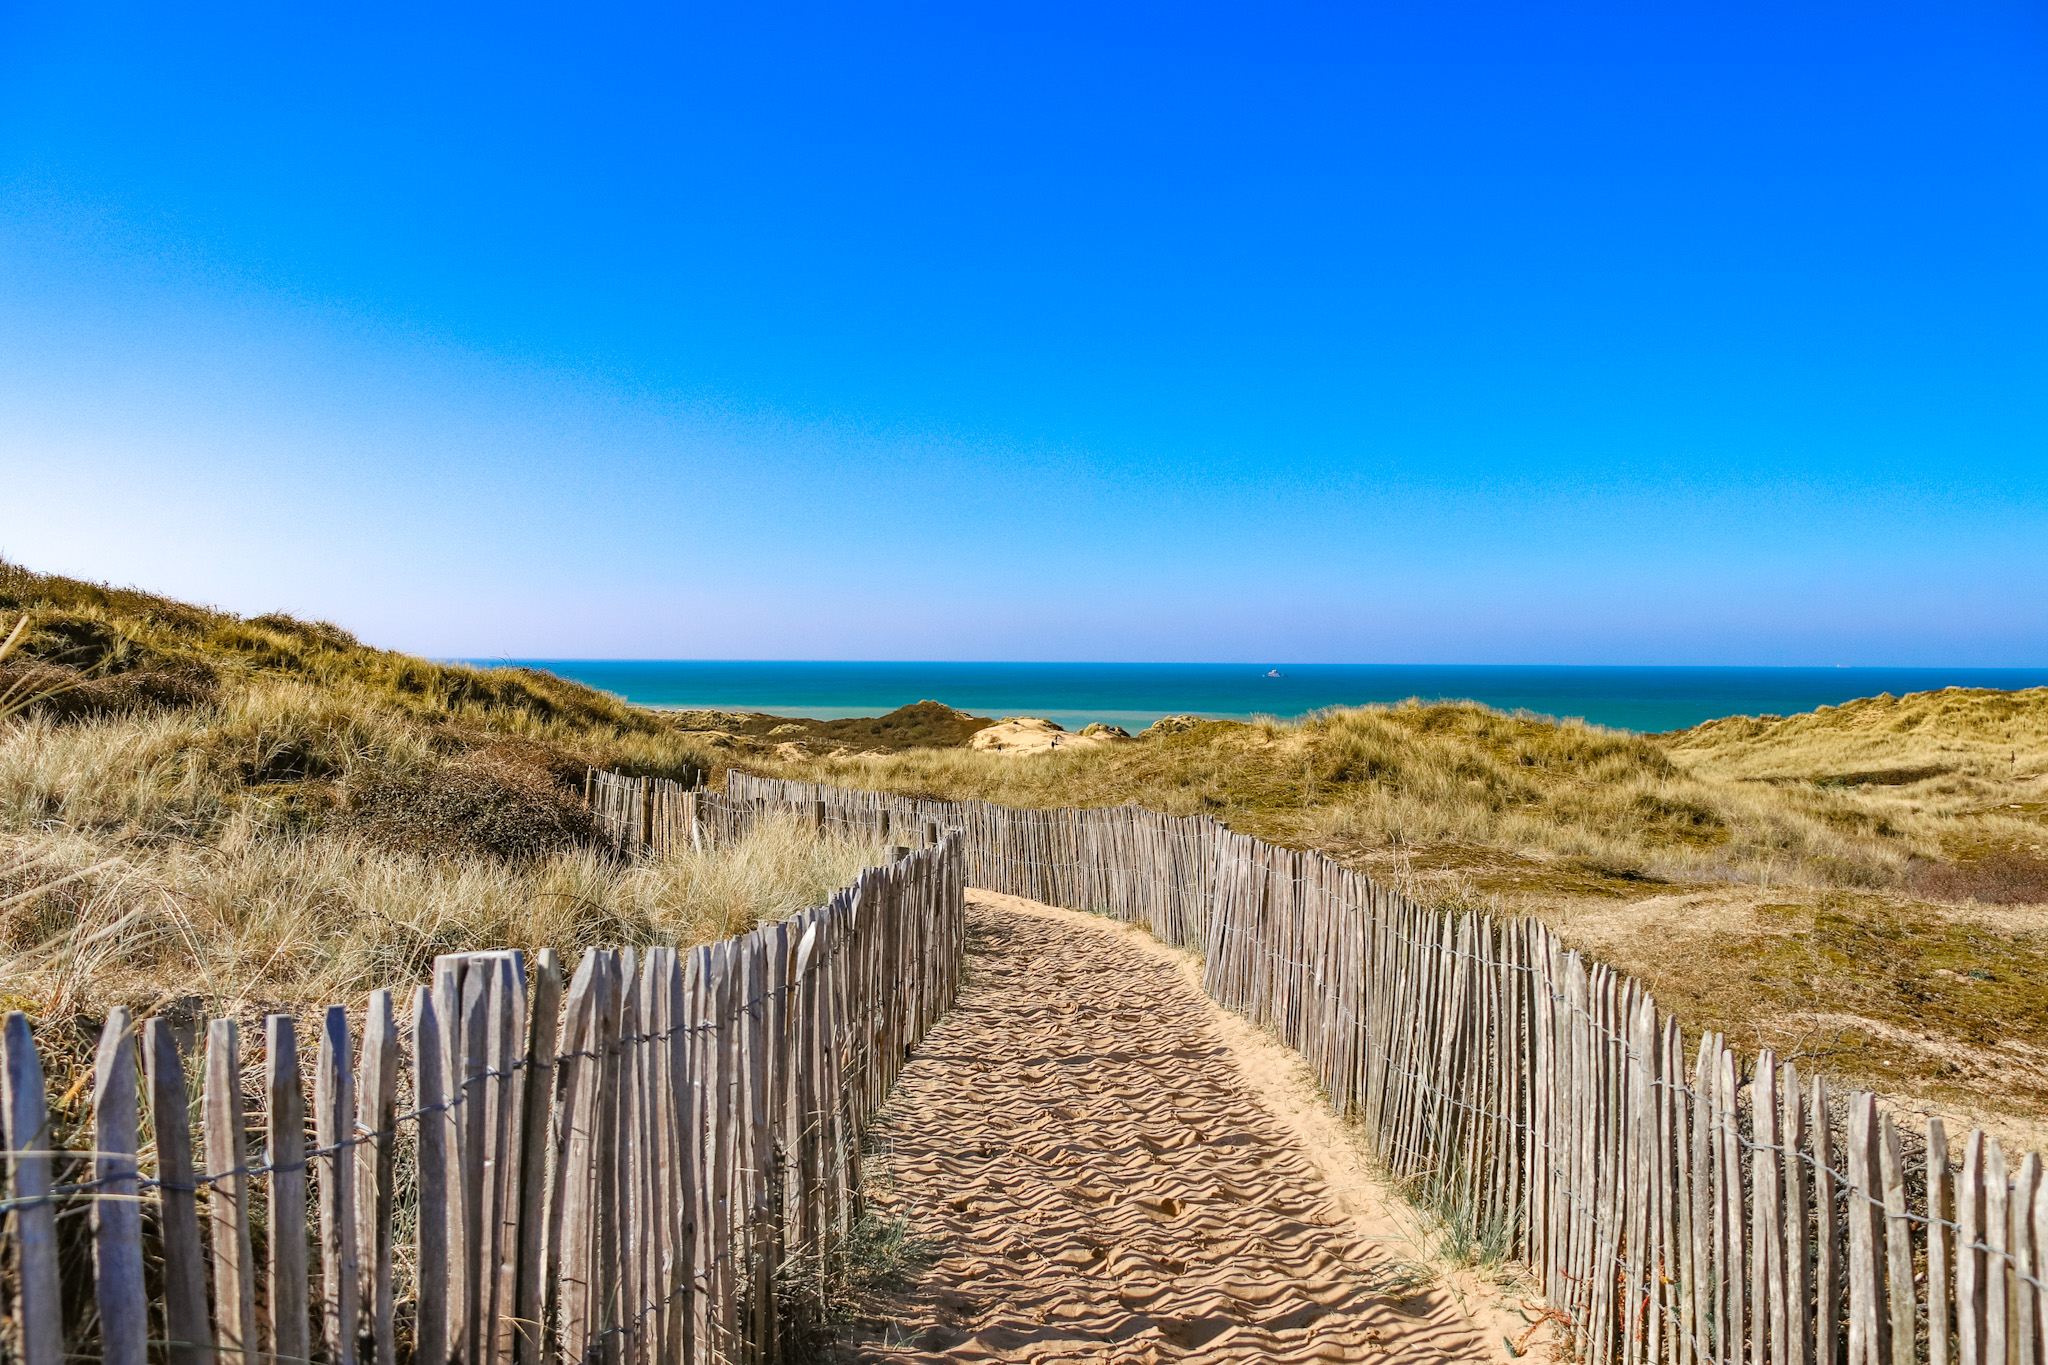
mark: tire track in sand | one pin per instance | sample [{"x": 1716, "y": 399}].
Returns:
[{"x": 1098, "y": 1184}]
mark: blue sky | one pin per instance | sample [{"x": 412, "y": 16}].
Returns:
[{"x": 1570, "y": 333}]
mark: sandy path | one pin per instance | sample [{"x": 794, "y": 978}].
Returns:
[{"x": 1098, "y": 1182}]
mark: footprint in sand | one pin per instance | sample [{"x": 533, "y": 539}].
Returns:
[{"x": 1195, "y": 1230}]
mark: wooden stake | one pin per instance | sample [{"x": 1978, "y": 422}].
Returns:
[
  {"x": 376, "y": 1178},
  {"x": 39, "y": 1306},
  {"x": 227, "y": 1154},
  {"x": 116, "y": 1216},
  {"x": 287, "y": 1159},
  {"x": 190, "y": 1341}
]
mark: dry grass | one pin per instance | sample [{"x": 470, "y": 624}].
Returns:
[
  {"x": 291, "y": 845},
  {"x": 266, "y": 914},
  {"x": 202, "y": 812},
  {"x": 92, "y": 652},
  {"x": 1453, "y": 779},
  {"x": 267, "y": 811},
  {"x": 1861, "y": 888}
]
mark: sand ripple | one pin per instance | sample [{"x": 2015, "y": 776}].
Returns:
[{"x": 1100, "y": 1186}]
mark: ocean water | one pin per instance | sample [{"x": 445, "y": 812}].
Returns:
[{"x": 1135, "y": 695}]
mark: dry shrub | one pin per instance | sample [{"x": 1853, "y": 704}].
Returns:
[
  {"x": 499, "y": 802},
  {"x": 69, "y": 695}
]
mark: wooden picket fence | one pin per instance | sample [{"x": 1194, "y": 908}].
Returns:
[
  {"x": 1676, "y": 1205},
  {"x": 654, "y": 817},
  {"x": 657, "y": 1165}
]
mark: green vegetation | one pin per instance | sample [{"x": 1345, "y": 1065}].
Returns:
[
  {"x": 262, "y": 812},
  {"x": 193, "y": 802},
  {"x": 1862, "y": 888},
  {"x": 1463, "y": 787},
  {"x": 920, "y": 725}
]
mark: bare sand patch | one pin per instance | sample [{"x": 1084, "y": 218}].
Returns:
[
  {"x": 1109, "y": 1168},
  {"x": 1031, "y": 735}
]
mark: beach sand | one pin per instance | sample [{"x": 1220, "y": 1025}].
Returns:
[{"x": 1107, "y": 1167}]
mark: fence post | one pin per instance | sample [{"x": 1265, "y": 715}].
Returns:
[
  {"x": 190, "y": 1343},
  {"x": 287, "y": 1161},
  {"x": 1940, "y": 1211},
  {"x": 116, "y": 1218},
  {"x": 429, "y": 1094},
  {"x": 1898, "y": 1243},
  {"x": 1997, "y": 1269},
  {"x": 533, "y": 1144},
  {"x": 376, "y": 1170},
  {"x": 234, "y": 1260},
  {"x": 334, "y": 1127},
  {"x": 40, "y": 1304}
]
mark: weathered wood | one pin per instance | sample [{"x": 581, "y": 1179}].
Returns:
[
  {"x": 571, "y": 1204},
  {"x": 429, "y": 1098},
  {"x": 227, "y": 1159},
  {"x": 376, "y": 1180},
  {"x": 458, "y": 1237},
  {"x": 1827, "y": 1285},
  {"x": 1940, "y": 1211},
  {"x": 39, "y": 1308},
  {"x": 1732, "y": 1283},
  {"x": 286, "y": 1138},
  {"x": 469, "y": 1278},
  {"x": 2040, "y": 1217},
  {"x": 1798, "y": 1234},
  {"x": 334, "y": 1128},
  {"x": 504, "y": 1124},
  {"x": 1970, "y": 1340},
  {"x": 608, "y": 1278},
  {"x": 1705, "y": 1274},
  {"x": 1867, "y": 1328},
  {"x": 1997, "y": 1270},
  {"x": 1767, "y": 1252},
  {"x": 2023, "y": 1336},
  {"x": 539, "y": 1094},
  {"x": 1898, "y": 1245},
  {"x": 118, "y": 1290},
  {"x": 189, "y": 1339}
]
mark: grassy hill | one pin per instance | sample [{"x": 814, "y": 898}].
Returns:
[
  {"x": 1861, "y": 888},
  {"x": 203, "y": 803},
  {"x": 263, "y": 810}
]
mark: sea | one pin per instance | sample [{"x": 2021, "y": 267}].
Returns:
[{"x": 1643, "y": 699}]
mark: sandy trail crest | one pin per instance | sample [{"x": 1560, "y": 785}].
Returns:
[{"x": 1099, "y": 1184}]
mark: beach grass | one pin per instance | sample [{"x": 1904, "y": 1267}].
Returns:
[
  {"x": 264, "y": 809},
  {"x": 265, "y": 813},
  {"x": 1862, "y": 888}
]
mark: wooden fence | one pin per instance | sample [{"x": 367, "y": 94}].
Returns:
[
  {"x": 657, "y": 1165},
  {"x": 1678, "y": 1204},
  {"x": 652, "y": 816}
]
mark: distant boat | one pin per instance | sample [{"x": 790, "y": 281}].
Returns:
[{"x": 1275, "y": 673}]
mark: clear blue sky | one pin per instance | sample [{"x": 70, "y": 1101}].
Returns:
[{"x": 1437, "y": 332}]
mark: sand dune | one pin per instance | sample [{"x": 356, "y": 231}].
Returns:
[
  {"x": 1097, "y": 1182},
  {"x": 1032, "y": 735}
]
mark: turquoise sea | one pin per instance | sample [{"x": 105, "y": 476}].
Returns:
[{"x": 1135, "y": 695}]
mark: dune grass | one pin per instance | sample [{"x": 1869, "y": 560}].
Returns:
[
  {"x": 266, "y": 810},
  {"x": 1449, "y": 781},
  {"x": 266, "y": 914},
  {"x": 1861, "y": 888},
  {"x": 200, "y": 813}
]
